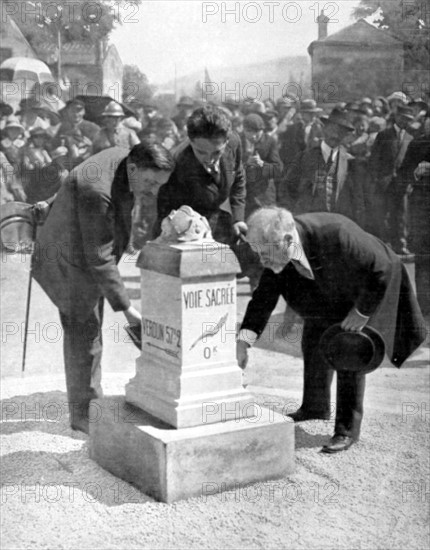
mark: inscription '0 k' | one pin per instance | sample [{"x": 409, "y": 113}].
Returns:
[{"x": 195, "y": 299}]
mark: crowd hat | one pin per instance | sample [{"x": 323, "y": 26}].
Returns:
[
  {"x": 231, "y": 103},
  {"x": 149, "y": 107},
  {"x": 339, "y": 117},
  {"x": 285, "y": 102},
  {"x": 5, "y": 109},
  {"x": 255, "y": 107},
  {"x": 269, "y": 114},
  {"x": 75, "y": 101},
  {"x": 398, "y": 95},
  {"x": 59, "y": 152},
  {"x": 355, "y": 107},
  {"x": 420, "y": 103},
  {"x": 253, "y": 122},
  {"x": 113, "y": 109},
  {"x": 185, "y": 101},
  {"x": 41, "y": 107},
  {"x": 14, "y": 122},
  {"x": 309, "y": 106},
  {"x": 405, "y": 111},
  {"x": 377, "y": 124},
  {"x": 38, "y": 132},
  {"x": 348, "y": 351}
]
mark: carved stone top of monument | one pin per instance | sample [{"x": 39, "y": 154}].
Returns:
[
  {"x": 186, "y": 248},
  {"x": 184, "y": 225}
]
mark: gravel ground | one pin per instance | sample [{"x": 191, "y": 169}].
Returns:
[{"x": 375, "y": 496}]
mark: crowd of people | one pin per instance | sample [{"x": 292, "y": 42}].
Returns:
[
  {"x": 368, "y": 159},
  {"x": 354, "y": 182}
]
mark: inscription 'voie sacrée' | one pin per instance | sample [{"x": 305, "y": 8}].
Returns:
[{"x": 194, "y": 299}]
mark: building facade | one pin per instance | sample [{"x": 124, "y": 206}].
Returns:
[{"x": 359, "y": 60}]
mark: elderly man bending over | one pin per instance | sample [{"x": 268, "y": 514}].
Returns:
[{"x": 330, "y": 271}]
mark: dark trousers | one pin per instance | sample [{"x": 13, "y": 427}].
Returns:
[
  {"x": 82, "y": 346},
  {"x": 317, "y": 383}
]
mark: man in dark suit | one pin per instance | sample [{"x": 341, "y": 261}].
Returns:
[
  {"x": 321, "y": 179},
  {"x": 390, "y": 188},
  {"x": 263, "y": 169},
  {"x": 305, "y": 133},
  {"x": 209, "y": 176},
  {"x": 262, "y": 164},
  {"x": 330, "y": 271},
  {"x": 77, "y": 251}
]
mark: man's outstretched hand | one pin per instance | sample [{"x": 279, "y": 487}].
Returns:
[
  {"x": 242, "y": 354},
  {"x": 240, "y": 228},
  {"x": 133, "y": 316}
]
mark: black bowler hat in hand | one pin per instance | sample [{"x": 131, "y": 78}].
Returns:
[{"x": 349, "y": 351}]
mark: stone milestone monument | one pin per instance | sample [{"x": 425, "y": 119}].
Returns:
[{"x": 186, "y": 421}]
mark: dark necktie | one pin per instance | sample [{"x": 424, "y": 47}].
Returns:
[{"x": 330, "y": 182}]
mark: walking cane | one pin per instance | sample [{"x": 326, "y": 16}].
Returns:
[{"x": 30, "y": 279}]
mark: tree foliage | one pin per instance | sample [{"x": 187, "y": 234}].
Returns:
[
  {"x": 408, "y": 20},
  {"x": 88, "y": 22},
  {"x": 135, "y": 85}
]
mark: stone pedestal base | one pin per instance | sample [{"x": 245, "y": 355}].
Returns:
[
  {"x": 193, "y": 397},
  {"x": 170, "y": 464}
]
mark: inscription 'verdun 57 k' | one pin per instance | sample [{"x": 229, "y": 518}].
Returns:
[{"x": 161, "y": 332}]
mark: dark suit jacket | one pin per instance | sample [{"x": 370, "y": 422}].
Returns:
[
  {"x": 191, "y": 185},
  {"x": 84, "y": 236},
  {"x": 352, "y": 269},
  {"x": 300, "y": 190},
  {"x": 260, "y": 182},
  {"x": 382, "y": 160}
]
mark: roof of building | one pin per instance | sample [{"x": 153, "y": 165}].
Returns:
[
  {"x": 360, "y": 32},
  {"x": 71, "y": 52}
]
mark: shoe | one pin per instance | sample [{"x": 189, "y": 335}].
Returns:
[
  {"x": 302, "y": 415},
  {"x": 338, "y": 443},
  {"x": 80, "y": 424}
]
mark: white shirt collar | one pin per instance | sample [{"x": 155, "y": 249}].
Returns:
[
  {"x": 299, "y": 255},
  {"x": 213, "y": 168},
  {"x": 326, "y": 150}
]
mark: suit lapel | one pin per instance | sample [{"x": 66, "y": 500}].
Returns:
[{"x": 313, "y": 258}]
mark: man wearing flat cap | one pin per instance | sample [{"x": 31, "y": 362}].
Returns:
[
  {"x": 322, "y": 179},
  {"x": 331, "y": 272}
]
